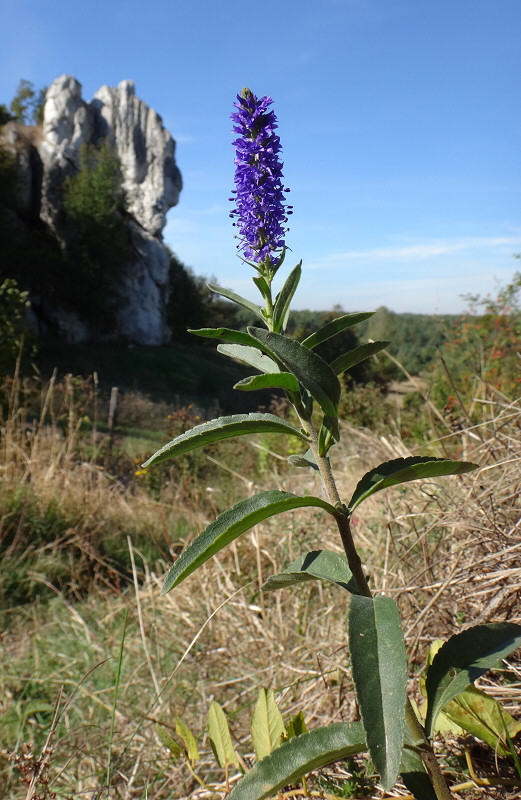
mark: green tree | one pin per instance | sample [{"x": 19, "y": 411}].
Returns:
[
  {"x": 97, "y": 236},
  {"x": 13, "y": 322},
  {"x": 5, "y": 114},
  {"x": 192, "y": 303},
  {"x": 185, "y": 301},
  {"x": 31, "y": 254},
  {"x": 28, "y": 103},
  {"x": 8, "y": 179}
]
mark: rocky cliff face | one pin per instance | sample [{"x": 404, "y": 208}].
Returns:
[{"x": 152, "y": 183}]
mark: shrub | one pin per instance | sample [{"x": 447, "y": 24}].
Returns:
[
  {"x": 13, "y": 322},
  {"x": 482, "y": 353}
]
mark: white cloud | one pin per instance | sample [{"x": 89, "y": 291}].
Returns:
[
  {"x": 417, "y": 252},
  {"x": 181, "y": 138}
]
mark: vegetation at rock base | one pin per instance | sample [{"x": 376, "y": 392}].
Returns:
[
  {"x": 14, "y": 327},
  {"x": 191, "y": 302},
  {"x": 97, "y": 236}
]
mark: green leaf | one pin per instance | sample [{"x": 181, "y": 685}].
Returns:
[
  {"x": 306, "y": 459},
  {"x": 379, "y": 669},
  {"x": 267, "y": 725},
  {"x": 297, "y": 726},
  {"x": 284, "y": 298},
  {"x": 412, "y": 769},
  {"x": 230, "y": 524},
  {"x": 323, "y": 565},
  {"x": 295, "y": 758},
  {"x": 326, "y": 437},
  {"x": 225, "y": 335},
  {"x": 463, "y": 659},
  {"x": 308, "y": 368},
  {"x": 249, "y": 356},
  {"x": 236, "y": 298},
  {"x": 275, "y": 265},
  {"x": 168, "y": 741},
  {"x": 335, "y": 326},
  {"x": 262, "y": 286},
  {"x": 415, "y": 776},
  {"x": 223, "y": 428},
  {"x": 482, "y": 716},
  {"x": 220, "y": 738},
  {"x": 184, "y": 733},
  {"x": 401, "y": 470},
  {"x": 277, "y": 380},
  {"x": 473, "y": 711},
  {"x": 355, "y": 356}
]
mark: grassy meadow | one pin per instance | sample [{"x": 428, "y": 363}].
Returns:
[{"x": 92, "y": 657}]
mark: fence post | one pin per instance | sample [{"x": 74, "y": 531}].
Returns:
[{"x": 113, "y": 413}]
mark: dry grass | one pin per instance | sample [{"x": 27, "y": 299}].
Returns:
[{"x": 448, "y": 550}]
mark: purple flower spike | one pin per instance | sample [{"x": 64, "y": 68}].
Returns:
[{"x": 259, "y": 193}]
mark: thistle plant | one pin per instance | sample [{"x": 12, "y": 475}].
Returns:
[{"x": 399, "y": 743}]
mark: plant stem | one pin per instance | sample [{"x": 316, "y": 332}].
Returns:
[
  {"x": 342, "y": 520},
  {"x": 353, "y": 559},
  {"x": 115, "y": 700}
]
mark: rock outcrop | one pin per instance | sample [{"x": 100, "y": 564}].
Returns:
[{"x": 152, "y": 183}]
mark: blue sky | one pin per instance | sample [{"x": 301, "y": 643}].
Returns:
[{"x": 400, "y": 122}]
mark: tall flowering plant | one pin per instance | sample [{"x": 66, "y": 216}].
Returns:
[
  {"x": 398, "y": 743},
  {"x": 261, "y": 210}
]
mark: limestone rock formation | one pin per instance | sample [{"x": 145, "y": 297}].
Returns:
[
  {"x": 146, "y": 150},
  {"x": 152, "y": 183}
]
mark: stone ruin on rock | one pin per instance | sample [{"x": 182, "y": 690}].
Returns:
[{"x": 151, "y": 181}]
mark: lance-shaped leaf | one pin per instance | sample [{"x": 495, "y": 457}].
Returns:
[
  {"x": 473, "y": 711},
  {"x": 249, "y": 356},
  {"x": 378, "y": 664},
  {"x": 323, "y": 565},
  {"x": 279, "y": 262},
  {"x": 168, "y": 741},
  {"x": 262, "y": 286},
  {"x": 481, "y": 715},
  {"x": 401, "y": 470},
  {"x": 462, "y": 659},
  {"x": 220, "y": 737},
  {"x": 412, "y": 769},
  {"x": 236, "y": 298},
  {"x": 223, "y": 428},
  {"x": 326, "y": 437},
  {"x": 277, "y": 380},
  {"x": 225, "y": 335},
  {"x": 415, "y": 776},
  {"x": 297, "y": 726},
  {"x": 355, "y": 356},
  {"x": 295, "y": 758},
  {"x": 306, "y": 459},
  {"x": 184, "y": 733},
  {"x": 230, "y": 524},
  {"x": 284, "y": 298},
  {"x": 267, "y": 725},
  {"x": 335, "y": 326},
  {"x": 308, "y": 368}
]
